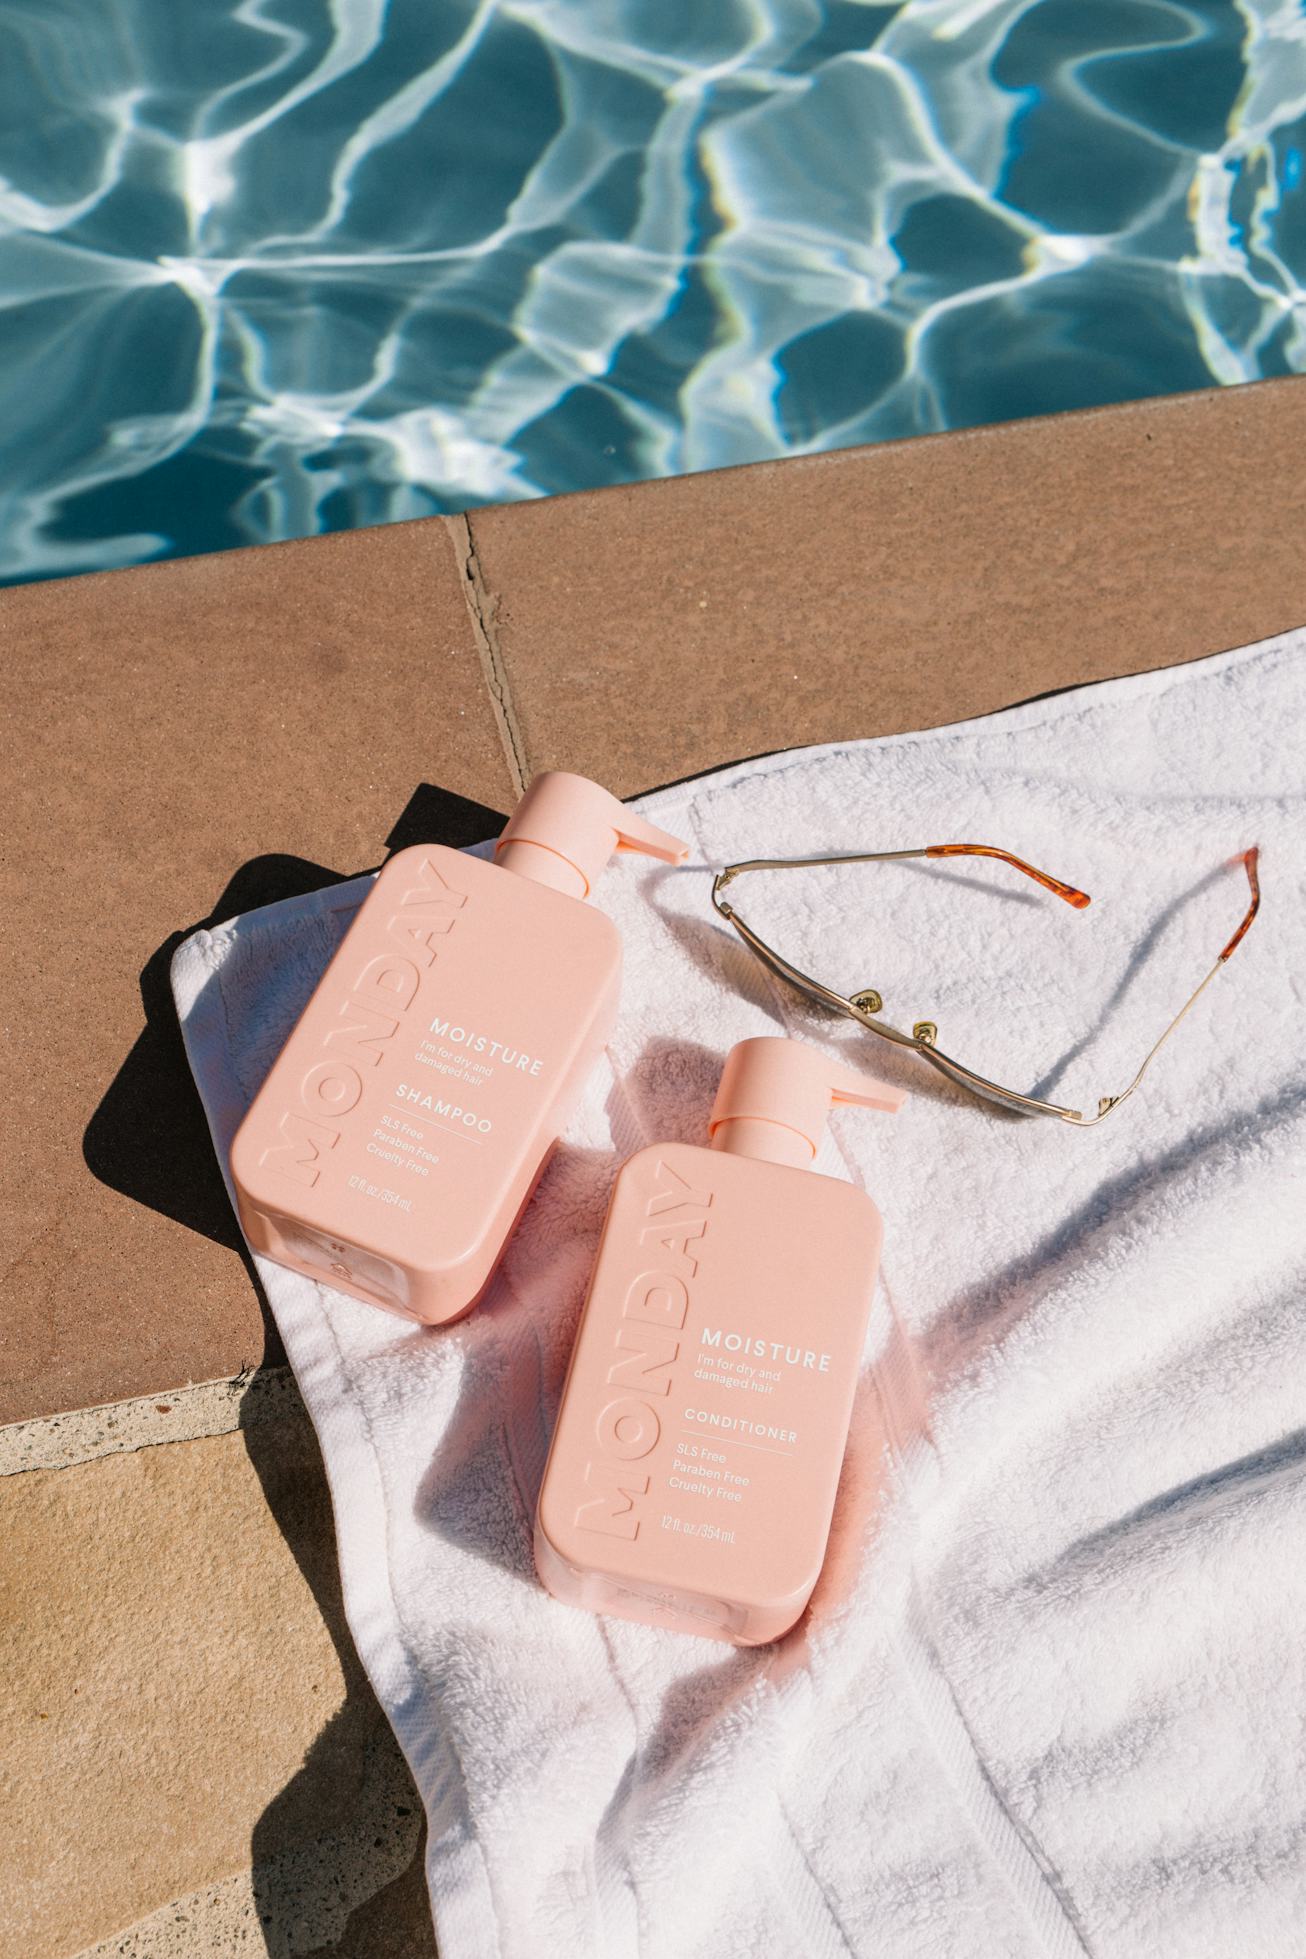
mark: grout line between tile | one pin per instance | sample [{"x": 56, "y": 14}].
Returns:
[
  {"x": 180, "y": 1415},
  {"x": 482, "y": 607}
]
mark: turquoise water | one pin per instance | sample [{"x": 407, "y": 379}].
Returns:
[{"x": 272, "y": 267}]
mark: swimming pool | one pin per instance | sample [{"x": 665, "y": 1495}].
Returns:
[{"x": 273, "y": 267}]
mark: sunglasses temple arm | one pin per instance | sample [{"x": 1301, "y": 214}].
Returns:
[{"x": 1109, "y": 1102}]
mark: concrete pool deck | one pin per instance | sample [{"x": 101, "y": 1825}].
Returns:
[{"x": 196, "y": 1763}]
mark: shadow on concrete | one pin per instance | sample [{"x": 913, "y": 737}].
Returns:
[
  {"x": 337, "y": 1857},
  {"x": 149, "y": 1138}
]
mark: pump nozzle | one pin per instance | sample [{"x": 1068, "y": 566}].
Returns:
[
  {"x": 775, "y": 1095},
  {"x": 566, "y": 827}
]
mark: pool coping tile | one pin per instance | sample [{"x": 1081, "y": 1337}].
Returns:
[
  {"x": 197, "y": 737},
  {"x": 651, "y": 632},
  {"x": 180, "y": 737}
]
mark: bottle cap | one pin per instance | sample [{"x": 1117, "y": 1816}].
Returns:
[
  {"x": 775, "y": 1095},
  {"x": 566, "y": 827}
]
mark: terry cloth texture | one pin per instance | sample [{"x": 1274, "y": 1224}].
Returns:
[{"x": 1049, "y": 1694}]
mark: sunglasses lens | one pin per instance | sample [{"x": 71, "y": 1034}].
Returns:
[
  {"x": 811, "y": 990},
  {"x": 986, "y": 1091}
]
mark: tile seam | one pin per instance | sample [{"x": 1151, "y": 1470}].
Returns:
[
  {"x": 481, "y": 608},
  {"x": 189, "y": 1414}
]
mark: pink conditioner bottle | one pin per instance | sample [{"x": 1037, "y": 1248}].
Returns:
[
  {"x": 693, "y": 1470},
  {"x": 404, "y": 1124}
]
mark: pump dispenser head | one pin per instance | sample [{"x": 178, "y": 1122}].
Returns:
[
  {"x": 566, "y": 827},
  {"x": 775, "y": 1095}
]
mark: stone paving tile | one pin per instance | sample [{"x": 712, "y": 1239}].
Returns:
[
  {"x": 645, "y": 634},
  {"x": 182, "y": 740},
  {"x": 224, "y": 1919},
  {"x": 194, "y": 1760}
]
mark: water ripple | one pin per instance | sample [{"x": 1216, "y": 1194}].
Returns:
[{"x": 271, "y": 267}]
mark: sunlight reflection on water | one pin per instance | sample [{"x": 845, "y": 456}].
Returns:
[{"x": 272, "y": 267}]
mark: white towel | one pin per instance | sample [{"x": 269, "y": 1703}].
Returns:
[{"x": 1049, "y": 1696}]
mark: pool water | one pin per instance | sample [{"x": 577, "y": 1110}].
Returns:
[{"x": 274, "y": 267}]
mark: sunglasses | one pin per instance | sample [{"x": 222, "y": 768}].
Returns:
[{"x": 866, "y": 1006}]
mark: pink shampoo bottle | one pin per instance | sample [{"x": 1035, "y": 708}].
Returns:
[
  {"x": 403, "y": 1126},
  {"x": 693, "y": 1470}
]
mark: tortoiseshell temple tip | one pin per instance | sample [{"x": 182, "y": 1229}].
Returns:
[
  {"x": 1249, "y": 859},
  {"x": 1072, "y": 896}
]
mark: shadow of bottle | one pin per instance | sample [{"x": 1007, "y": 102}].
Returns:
[{"x": 148, "y": 1137}]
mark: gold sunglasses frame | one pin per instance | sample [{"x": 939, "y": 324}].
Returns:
[{"x": 866, "y": 1005}]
